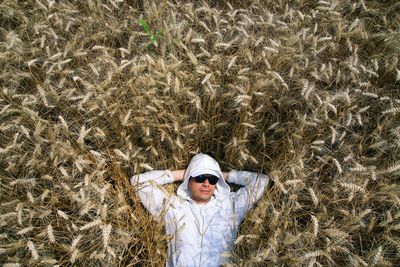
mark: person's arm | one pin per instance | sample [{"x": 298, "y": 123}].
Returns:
[
  {"x": 253, "y": 188},
  {"x": 149, "y": 191},
  {"x": 178, "y": 175}
]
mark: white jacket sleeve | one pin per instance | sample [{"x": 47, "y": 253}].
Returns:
[
  {"x": 149, "y": 191},
  {"x": 245, "y": 198}
]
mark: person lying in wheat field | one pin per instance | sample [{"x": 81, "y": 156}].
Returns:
[{"x": 204, "y": 216}]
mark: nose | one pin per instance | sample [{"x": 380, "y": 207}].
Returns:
[{"x": 206, "y": 183}]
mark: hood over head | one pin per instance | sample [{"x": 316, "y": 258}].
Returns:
[{"x": 203, "y": 164}]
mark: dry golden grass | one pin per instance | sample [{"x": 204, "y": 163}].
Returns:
[{"x": 307, "y": 91}]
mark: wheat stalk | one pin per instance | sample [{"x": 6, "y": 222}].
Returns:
[
  {"x": 313, "y": 196},
  {"x": 90, "y": 225},
  {"x": 376, "y": 257},
  {"x": 33, "y": 250},
  {"x": 50, "y": 234},
  {"x": 25, "y": 230}
]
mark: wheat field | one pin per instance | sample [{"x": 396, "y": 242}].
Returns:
[{"x": 307, "y": 91}]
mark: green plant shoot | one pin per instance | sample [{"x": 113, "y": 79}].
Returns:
[{"x": 153, "y": 37}]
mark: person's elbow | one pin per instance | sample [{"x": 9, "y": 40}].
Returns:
[
  {"x": 134, "y": 180},
  {"x": 268, "y": 183}
]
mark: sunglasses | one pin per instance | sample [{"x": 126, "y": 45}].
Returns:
[{"x": 201, "y": 178}]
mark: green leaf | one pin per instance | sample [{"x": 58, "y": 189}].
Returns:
[
  {"x": 144, "y": 24},
  {"x": 158, "y": 34},
  {"x": 153, "y": 38}
]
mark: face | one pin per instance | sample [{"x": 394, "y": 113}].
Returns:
[{"x": 201, "y": 192}]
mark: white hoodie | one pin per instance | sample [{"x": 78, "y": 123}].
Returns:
[{"x": 201, "y": 234}]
